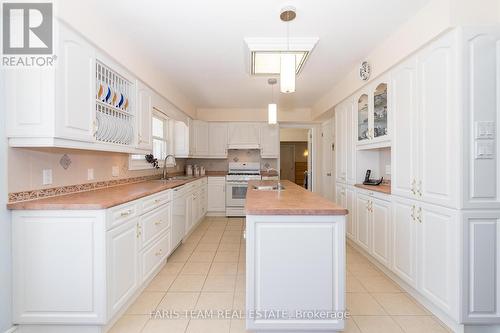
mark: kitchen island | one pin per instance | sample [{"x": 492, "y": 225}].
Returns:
[{"x": 295, "y": 259}]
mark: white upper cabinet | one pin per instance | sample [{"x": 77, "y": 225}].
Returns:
[
  {"x": 269, "y": 141},
  {"x": 217, "y": 140},
  {"x": 200, "y": 138},
  {"x": 244, "y": 135},
  {"x": 85, "y": 101},
  {"x": 144, "y": 116},
  {"x": 75, "y": 92},
  {"x": 181, "y": 139},
  {"x": 438, "y": 124},
  {"x": 404, "y": 134},
  {"x": 373, "y": 114}
]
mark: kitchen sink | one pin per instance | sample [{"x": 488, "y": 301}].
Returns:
[{"x": 277, "y": 187}]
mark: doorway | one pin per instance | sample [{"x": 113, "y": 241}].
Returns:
[{"x": 295, "y": 155}]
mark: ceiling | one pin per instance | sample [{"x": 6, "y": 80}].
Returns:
[{"x": 199, "y": 45}]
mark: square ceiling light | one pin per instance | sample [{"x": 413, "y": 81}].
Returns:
[
  {"x": 263, "y": 54},
  {"x": 268, "y": 62}
]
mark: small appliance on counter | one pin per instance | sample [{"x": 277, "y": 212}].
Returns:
[
  {"x": 373, "y": 182},
  {"x": 189, "y": 170},
  {"x": 196, "y": 171},
  {"x": 202, "y": 171}
]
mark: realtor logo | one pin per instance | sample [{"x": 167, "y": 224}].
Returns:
[{"x": 27, "y": 28}]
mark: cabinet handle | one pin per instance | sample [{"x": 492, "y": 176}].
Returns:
[
  {"x": 157, "y": 200},
  {"x": 138, "y": 232},
  {"x": 419, "y": 188},
  {"x": 328, "y": 174},
  {"x": 159, "y": 253},
  {"x": 126, "y": 213},
  {"x": 158, "y": 222},
  {"x": 413, "y": 212},
  {"x": 413, "y": 184}
]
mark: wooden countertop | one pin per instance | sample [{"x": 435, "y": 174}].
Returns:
[
  {"x": 293, "y": 200},
  {"x": 101, "y": 198},
  {"x": 386, "y": 189}
]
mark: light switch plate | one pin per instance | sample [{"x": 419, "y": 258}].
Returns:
[
  {"x": 47, "y": 176},
  {"x": 115, "y": 171},
  {"x": 90, "y": 174},
  {"x": 388, "y": 169},
  {"x": 485, "y": 149},
  {"x": 485, "y": 130}
]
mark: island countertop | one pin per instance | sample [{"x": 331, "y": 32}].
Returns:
[
  {"x": 100, "y": 198},
  {"x": 293, "y": 200}
]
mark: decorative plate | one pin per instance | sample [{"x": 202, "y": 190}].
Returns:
[{"x": 364, "y": 71}]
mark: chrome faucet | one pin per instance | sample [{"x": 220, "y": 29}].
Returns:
[{"x": 165, "y": 165}]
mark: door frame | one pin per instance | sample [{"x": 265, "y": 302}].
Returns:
[{"x": 314, "y": 142}]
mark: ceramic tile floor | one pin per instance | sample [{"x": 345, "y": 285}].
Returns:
[{"x": 208, "y": 272}]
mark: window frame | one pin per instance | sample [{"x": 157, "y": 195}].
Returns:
[{"x": 142, "y": 164}]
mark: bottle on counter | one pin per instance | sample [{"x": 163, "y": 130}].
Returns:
[{"x": 189, "y": 170}]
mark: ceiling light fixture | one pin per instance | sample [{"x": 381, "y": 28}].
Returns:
[
  {"x": 272, "y": 108},
  {"x": 287, "y": 59}
]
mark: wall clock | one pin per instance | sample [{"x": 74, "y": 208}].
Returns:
[{"x": 364, "y": 71}]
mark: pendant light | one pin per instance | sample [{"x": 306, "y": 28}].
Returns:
[
  {"x": 272, "y": 108},
  {"x": 287, "y": 59}
]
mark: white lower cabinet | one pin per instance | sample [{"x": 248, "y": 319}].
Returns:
[
  {"x": 404, "y": 235},
  {"x": 123, "y": 266},
  {"x": 437, "y": 253},
  {"x": 363, "y": 219},
  {"x": 153, "y": 256},
  {"x": 381, "y": 223},
  {"x": 216, "y": 195}
]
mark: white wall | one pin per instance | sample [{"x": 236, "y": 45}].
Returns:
[{"x": 5, "y": 223}]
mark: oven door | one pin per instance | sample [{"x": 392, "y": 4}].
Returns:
[{"x": 236, "y": 193}]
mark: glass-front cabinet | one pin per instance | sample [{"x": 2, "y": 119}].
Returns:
[{"x": 373, "y": 114}]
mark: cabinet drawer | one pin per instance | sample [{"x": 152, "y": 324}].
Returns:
[
  {"x": 153, "y": 201},
  {"x": 155, "y": 222},
  {"x": 119, "y": 214},
  {"x": 153, "y": 256}
]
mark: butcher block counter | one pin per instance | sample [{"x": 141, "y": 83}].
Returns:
[{"x": 295, "y": 259}]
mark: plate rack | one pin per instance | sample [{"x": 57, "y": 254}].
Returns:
[{"x": 114, "y": 107}]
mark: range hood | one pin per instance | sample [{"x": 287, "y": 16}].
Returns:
[{"x": 244, "y": 146}]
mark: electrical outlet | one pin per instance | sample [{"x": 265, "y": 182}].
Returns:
[
  {"x": 90, "y": 174},
  {"x": 388, "y": 169},
  {"x": 47, "y": 176},
  {"x": 115, "y": 171}
]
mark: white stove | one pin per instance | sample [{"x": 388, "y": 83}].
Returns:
[{"x": 236, "y": 186}]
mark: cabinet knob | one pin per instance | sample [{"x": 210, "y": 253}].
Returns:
[
  {"x": 126, "y": 213},
  {"x": 158, "y": 222}
]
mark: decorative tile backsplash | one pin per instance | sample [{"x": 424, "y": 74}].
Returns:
[{"x": 61, "y": 190}]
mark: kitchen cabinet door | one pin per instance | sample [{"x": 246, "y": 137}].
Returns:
[
  {"x": 363, "y": 218},
  {"x": 269, "y": 141},
  {"x": 381, "y": 225},
  {"x": 123, "y": 267},
  {"x": 349, "y": 142},
  {"x": 201, "y": 138},
  {"x": 350, "y": 204},
  {"x": 189, "y": 213},
  {"x": 438, "y": 256},
  {"x": 244, "y": 135},
  {"x": 438, "y": 123},
  {"x": 216, "y": 194},
  {"x": 144, "y": 116},
  {"x": 217, "y": 140},
  {"x": 181, "y": 139},
  {"x": 75, "y": 93},
  {"x": 404, "y": 231},
  {"x": 405, "y": 133}
]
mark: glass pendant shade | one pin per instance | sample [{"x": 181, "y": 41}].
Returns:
[
  {"x": 272, "y": 114},
  {"x": 287, "y": 73}
]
